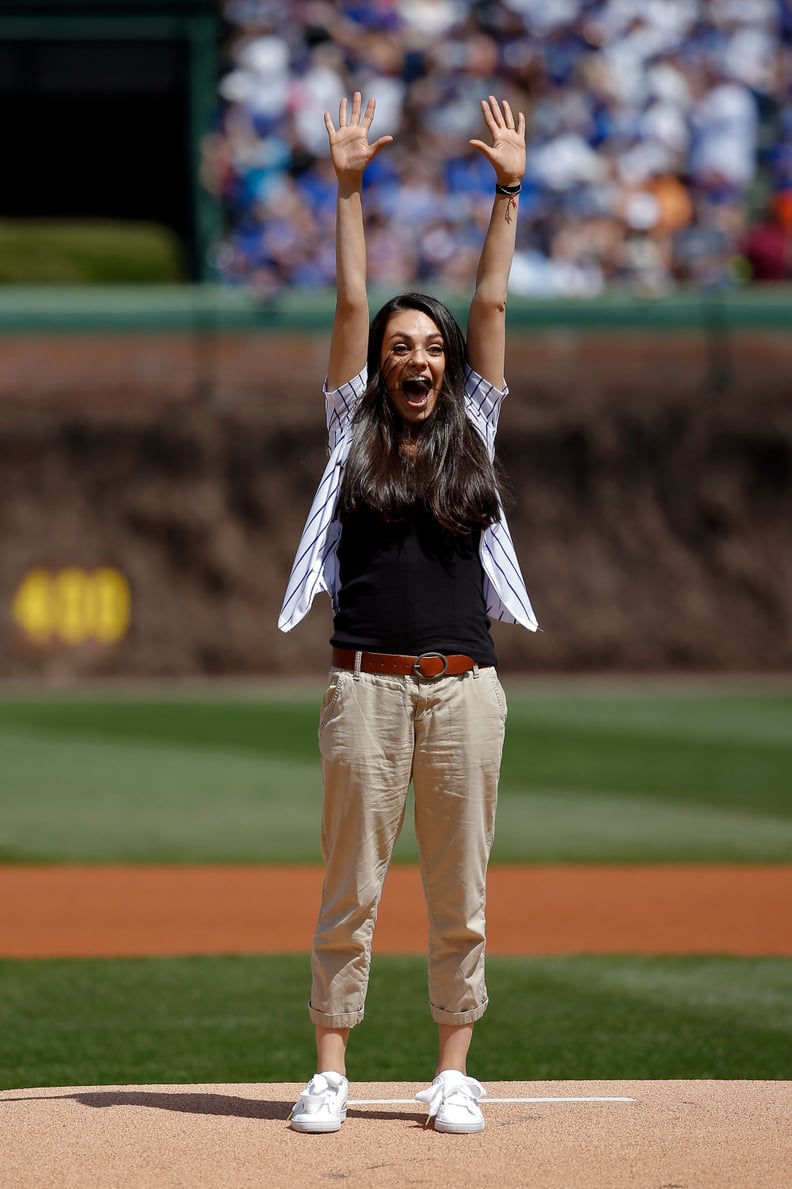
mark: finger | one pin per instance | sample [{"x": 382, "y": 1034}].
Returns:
[
  {"x": 508, "y": 115},
  {"x": 380, "y": 144},
  {"x": 521, "y": 124},
  {"x": 482, "y": 147},
  {"x": 496, "y": 111},
  {"x": 356, "y": 108},
  {"x": 489, "y": 118},
  {"x": 369, "y": 113},
  {"x": 328, "y": 121},
  {"x": 342, "y": 113}
]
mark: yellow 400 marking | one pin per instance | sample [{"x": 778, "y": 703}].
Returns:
[{"x": 73, "y": 606}]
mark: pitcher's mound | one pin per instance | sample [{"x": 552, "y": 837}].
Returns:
[{"x": 634, "y": 1134}]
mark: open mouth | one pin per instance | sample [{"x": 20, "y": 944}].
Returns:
[{"x": 416, "y": 391}]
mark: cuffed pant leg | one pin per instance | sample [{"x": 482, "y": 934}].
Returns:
[
  {"x": 459, "y": 743},
  {"x": 366, "y": 743}
]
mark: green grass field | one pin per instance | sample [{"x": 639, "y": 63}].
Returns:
[
  {"x": 243, "y": 1019},
  {"x": 615, "y": 774},
  {"x": 596, "y": 776}
]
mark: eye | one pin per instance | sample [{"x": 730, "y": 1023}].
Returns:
[
  {"x": 400, "y": 349},
  {"x": 437, "y": 349}
]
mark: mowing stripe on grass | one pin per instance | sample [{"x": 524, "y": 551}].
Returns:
[
  {"x": 679, "y": 777},
  {"x": 244, "y": 1019}
]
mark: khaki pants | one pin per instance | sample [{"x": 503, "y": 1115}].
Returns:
[{"x": 376, "y": 734}]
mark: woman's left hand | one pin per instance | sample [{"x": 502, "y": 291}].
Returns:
[{"x": 506, "y": 154}]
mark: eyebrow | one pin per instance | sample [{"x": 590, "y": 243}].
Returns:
[{"x": 408, "y": 338}]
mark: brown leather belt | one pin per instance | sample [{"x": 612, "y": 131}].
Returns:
[{"x": 428, "y": 664}]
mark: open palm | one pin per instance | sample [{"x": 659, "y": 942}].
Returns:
[
  {"x": 350, "y": 150},
  {"x": 506, "y": 154}
]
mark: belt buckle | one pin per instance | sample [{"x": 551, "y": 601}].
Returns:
[{"x": 418, "y": 671}]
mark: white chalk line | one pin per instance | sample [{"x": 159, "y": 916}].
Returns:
[{"x": 484, "y": 1101}]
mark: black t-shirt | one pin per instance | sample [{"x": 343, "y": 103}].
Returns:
[{"x": 411, "y": 587}]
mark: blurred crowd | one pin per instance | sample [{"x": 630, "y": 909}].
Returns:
[{"x": 659, "y": 140}]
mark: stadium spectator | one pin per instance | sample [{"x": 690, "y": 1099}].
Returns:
[
  {"x": 660, "y": 132},
  {"x": 767, "y": 248}
]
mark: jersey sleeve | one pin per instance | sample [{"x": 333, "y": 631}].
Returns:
[
  {"x": 483, "y": 404},
  {"x": 341, "y": 405}
]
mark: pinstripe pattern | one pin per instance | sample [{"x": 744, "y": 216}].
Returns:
[{"x": 315, "y": 566}]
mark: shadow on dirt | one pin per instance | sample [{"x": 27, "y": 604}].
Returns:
[
  {"x": 187, "y": 1103},
  {"x": 191, "y": 1103}
]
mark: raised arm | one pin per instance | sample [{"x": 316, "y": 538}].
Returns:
[
  {"x": 486, "y": 329},
  {"x": 350, "y": 153}
]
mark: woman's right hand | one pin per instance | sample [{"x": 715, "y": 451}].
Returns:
[{"x": 350, "y": 150}]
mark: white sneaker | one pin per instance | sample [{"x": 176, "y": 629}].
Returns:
[
  {"x": 453, "y": 1102},
  {"x": 322, "y": 1106}
]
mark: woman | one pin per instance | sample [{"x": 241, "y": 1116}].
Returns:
[{"x": 408, "y": 536}]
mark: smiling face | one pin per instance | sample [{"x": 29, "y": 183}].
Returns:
[{"x": 413, "y": 363}]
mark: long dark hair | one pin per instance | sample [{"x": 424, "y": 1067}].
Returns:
[{"x": 448, "y": 469}]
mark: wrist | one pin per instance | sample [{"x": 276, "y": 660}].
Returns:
[
  {"x": 509, "y": 189},
  {"x": 349, "y": 183}
]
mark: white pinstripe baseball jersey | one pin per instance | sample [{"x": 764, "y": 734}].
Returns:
[{"x": 315, "y": 565}]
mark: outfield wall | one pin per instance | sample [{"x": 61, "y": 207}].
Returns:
[{"x": 651, "y": 475}]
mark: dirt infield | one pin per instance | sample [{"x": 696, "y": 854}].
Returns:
[
  {"x": 103, "y": 911},
  {"x": 556, "y": 1135},
  {"x": 551, "y": 1135}
]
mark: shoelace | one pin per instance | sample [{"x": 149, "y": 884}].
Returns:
[
  {"x": 444, "y": 1088},
  {"x": 316, "y": 1094}
]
